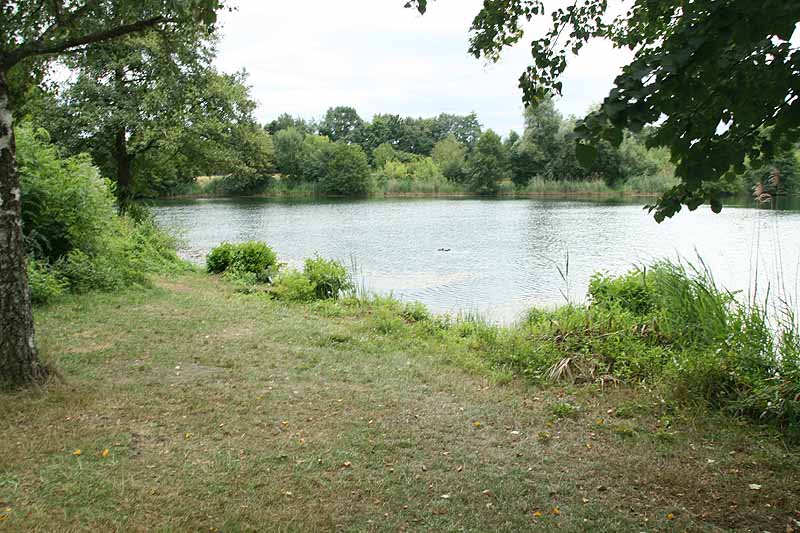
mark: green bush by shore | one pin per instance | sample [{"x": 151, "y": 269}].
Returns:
[{"x": 75, "y": 239}]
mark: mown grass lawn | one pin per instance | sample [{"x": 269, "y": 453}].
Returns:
[{"x": 190, "y": 407}]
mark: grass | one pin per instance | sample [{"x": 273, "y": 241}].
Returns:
[{"x": 227, "y": 412}]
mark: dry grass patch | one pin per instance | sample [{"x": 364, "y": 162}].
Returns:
[{"x": 227, "y": 412}]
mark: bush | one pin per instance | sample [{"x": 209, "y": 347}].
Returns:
[
  {"x": 329, "y": 277},
  {"x": 629, "y": 291},
  {"x": 66, "y": 205},
  {"x": 293, "y": 286},
  {"x": 45, "y": 284},
  {"x": 220, "y": 258},
  {"x": 253, "y": 256},
  {"x": 72, "y": 231}
]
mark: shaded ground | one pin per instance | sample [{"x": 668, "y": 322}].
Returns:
[{"x": 227, "y": 412}]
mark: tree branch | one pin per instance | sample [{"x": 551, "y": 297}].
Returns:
[{"x": 39, "y": 48}]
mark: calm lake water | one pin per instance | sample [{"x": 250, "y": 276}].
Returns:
[{"x": 496, "y": 257}]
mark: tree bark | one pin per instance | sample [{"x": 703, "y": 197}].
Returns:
[
  {"x": 19, "y": 361},
  {"x": 124, "y": 178}
]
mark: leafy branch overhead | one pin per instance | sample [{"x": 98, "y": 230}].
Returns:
[{"x": 717, "y": 80}]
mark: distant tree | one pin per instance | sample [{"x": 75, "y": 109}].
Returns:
[
  {"x": 289, "y": 153},
  {"x": 416, "y": 136},
  {"x": 384, "y": 129},
  {"x": 341, "y": 124},
  {"x": 384, "y": 154},
  {"x": 465, "y": 128},
  {"x": 345, "y": 170},
  {"x": 286, "y": 121},
  {"x": 780, "y": 177},
  {"x": 32, "y": 29},
  {"x": 450, "y": 156},
  {"x": 315, "y": 150},
  {"x": 488, "y": 163},
  {"x": 541, "y": 142}
]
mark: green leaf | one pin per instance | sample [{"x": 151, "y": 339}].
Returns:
[{"x": 586, "y": 154}]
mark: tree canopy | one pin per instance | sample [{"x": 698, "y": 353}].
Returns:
[{"x": 718, "y": 80}]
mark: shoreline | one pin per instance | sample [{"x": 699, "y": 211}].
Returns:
[{"x": 302, "y": 194}]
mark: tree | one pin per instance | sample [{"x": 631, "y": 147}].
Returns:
[
  {"x": 289, "y": 153},
  {"x": 345, "y": 170},
  {"x": 129, "y": 96},
  {"x": 540, "y": 142},
  {"x": 451, "y": 157},
  {"x": 341, "y": 124},
  {"x": 465, "y": 128},
  {"x": 31, "y": 29},
  {"x": 286, "y": 121},
  {"x": 488, "y": 163},
  {"x": 718, "y": 80}
]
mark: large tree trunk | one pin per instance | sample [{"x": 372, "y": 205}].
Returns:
[
  {"x": 19, "y": 361},
  {"x": 124, "y": 178}
]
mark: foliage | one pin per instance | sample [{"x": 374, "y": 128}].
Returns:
[
  {"x": 329, "y": 278},
  {"x": 286, "y": 121},
  {"x": 293, "y": 286},
  {"x": 696, "y": 66},
  {"x": 66, "y": 205},
  {"x": 73, "y": 235},
  {"x": 341, "y": 124},
  {"x": 345, "y": 170},
  {"x": 451, "y": 157},
  {"x": 45, "y": 284},
  {"x": 781, "y": 176},
  {"x": 488, "y": 163},
  {"x": 253, "y": 257},
  {"x": 630, "y": 291},
  {"x": 289, "y": 152}
]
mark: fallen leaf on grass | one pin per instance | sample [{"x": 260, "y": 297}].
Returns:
[
  {"x": 476, "y": 424},
  {"x": 537, "y": 514},
  {"x": 670, "y": 516},
  {"x": 488, "y": 493},
  {"x": 556, "y": 511},
  {"x": 105, "y": 453},
  {"x": 77, "y": 452},
  {"x": 347, "y": 464}
]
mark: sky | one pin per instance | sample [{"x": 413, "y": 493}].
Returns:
[{"x": 305, "y": 56}]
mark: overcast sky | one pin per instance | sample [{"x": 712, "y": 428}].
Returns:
[{"x": 305, "y": 56}]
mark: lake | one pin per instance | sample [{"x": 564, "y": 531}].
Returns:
[{"x": 496, "y": 257}]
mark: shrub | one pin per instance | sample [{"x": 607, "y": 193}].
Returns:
[
  {"x": 293, "y": 286},
  {"x": 629, "y": 291},
  {"x": 243, "y": 281},
  {"x": 66, "y": 205},
  {"x": 220, "y": 258},
  {"x": 329, "y": 277},
  {"x": 72, "y": 231},
  {"x": 253, "y": 256},
  {"x": 415, "y": 312},
  {"x": 45, "y": 285}
]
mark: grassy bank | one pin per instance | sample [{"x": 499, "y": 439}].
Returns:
[{"x": 189, "y": 406}]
